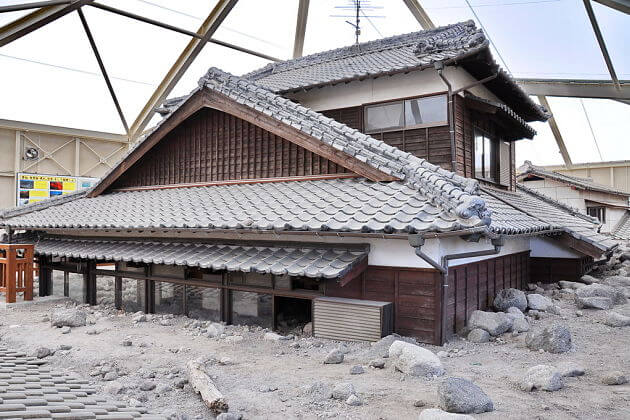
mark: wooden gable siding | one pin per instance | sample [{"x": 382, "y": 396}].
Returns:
[{"x": 212, "y": 145}]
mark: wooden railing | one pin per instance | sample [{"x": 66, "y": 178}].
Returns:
[{"x": 16, "y": 271}]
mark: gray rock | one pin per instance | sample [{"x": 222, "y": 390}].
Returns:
[
  {"x": 272, "y": 336},
  {"x": 570, "y": 369},
  {"x": 542, "y": 377},
  {"x": 65, "y": 347},
  {"x": 334, "y": 357},
  {"x": 114, "y": 388},
  {"x": 586, "y": 279},
  {"x": 180, "y": 383},
  {"x": 307, "y": 331},
  {"x": 520, "y": 325},
  {"x": 414, "y": 360},
  {"x": 42, "y": 352},
  {"x": 317, "y": 391},
  {"x": 514, "y": 313},
  {"x": 215, "y": 330},
  {"x": 553, "y": 339},
  {"x": 127, "y": 343},
  {"x": 354, "y": 401},
  {"x": 478, "y": 336},
  {"x": 377, "y": 364},
  {"x": 140, "y": 318},
  {"x": 601, "y": 290},
  {"x": 507, "y": 298},
  {"x": 110, "y": 376},
  {"x": 147, "y": 386},
  {"x": 570, "y": 285},
  {"x": 613, "y": 319},
  {"x": 343, "y": 390},
  {"x": 458, "y": 395},
  {"x": 496, "y": 323},
  {"x": 594, "y": 302},
  {"x": 65, "y": 330},
  {"x": 624, "y": 256},
  {"x": 437, "y": 414},
  {"x": 72, "y": 317},
  {"x": 163, "y": 389},
  {"x": 357, "y": 370},
  {"x": 614, "y": 378},
  {"x": 538, "y": 302},
  {"x": 617, "y": 281}
]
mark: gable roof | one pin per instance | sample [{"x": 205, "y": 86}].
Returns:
[
  {"x": 461, "y": 43},
  {"x": 520, "y": 127},
  {"x": 528, "y": 169},
  {"x": 622, "y": 229}
]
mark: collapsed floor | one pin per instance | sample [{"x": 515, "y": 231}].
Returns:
[{"x": 141, "y": 360}]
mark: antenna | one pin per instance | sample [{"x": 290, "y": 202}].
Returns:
[{"x": 357, "y": 7}]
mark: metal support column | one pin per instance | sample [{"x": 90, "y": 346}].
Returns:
[
  {"x": 556, "y": 133},
  {"x": 300, "y": 28}
]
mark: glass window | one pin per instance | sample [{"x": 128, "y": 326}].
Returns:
[
  {"x": 597, "y": 212},
  {"x": 250, "y": 308},
  {"x": 428, "y": 110},
  {"x": 204, "y": 303},
  {"x": 485, "y": 160},
  {"x": 384, "y": 117}
]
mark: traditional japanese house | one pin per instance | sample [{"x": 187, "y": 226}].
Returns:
[
  {"x": 367, "y": 188},
  {"x": 608, "y": 205}
]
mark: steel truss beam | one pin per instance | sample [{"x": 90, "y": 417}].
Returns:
[
  {"x": 620, "y": 5},
  {"x": 601, "y": 42},
  {"x": 33, "y": 5},
  {"x": 556, "y": 133},
  {"x": 602, "y": 89},
  {"x": 418, "y": 12},
  {"x": 35, "y": 20},
  {"x": 300, "y": 28},
  {"x": 185, "y": 59},
  {"x": 88, "y": 33}
]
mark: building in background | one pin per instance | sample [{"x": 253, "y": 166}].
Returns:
[
  {"x": 39, "y": 161},
  {"x": 614, "y": 174},
  {"x": 604, "y": 202}
]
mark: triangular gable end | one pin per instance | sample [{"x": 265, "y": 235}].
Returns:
[{"x": 132, "y": 170}]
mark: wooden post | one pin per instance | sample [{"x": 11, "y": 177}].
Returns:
[
  {"x": 89, "y": 283},
  {"x": 45, "y": 277},
  {"x": 27, "y": 272},
  {"x": 9, "y": 274},
  {"x": 118, "y": 289},
  {"x": 66, "y": 283}
]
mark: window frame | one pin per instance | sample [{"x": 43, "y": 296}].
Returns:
[
  {"x": 598, "y": 210},
  {"x": 404, "y": 127},
  {"x": 493, "y": 141}
]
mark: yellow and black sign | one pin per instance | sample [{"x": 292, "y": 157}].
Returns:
[{"x": 32, "y": 188}]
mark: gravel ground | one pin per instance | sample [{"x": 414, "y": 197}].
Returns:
[{"x": 287, "y": 379}]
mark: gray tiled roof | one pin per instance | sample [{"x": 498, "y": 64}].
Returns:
[
  {"x": 355, "y": 205},
  {"x": 29, "y": 389},
  {"x": 391, "y": 55},
  {"x": 507, "y": 112},
  {"x": 583, "y": 183},
  {"x": 531, "y": 212},
  {"x": 310, "y": 260},
  {"x": 622, "y": 229}
]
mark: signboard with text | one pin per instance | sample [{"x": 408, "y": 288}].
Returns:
[{"x": 32, "y": 188}]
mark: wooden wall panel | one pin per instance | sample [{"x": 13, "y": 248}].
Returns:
[
  {"x": 551, "y": 270},
  {"x": 214, "y": 146},
  {"x": 415, "y": 293},
  {"x": 473, "y": 286}
]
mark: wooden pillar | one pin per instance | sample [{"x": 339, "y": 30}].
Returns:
[
  {"x": 66, "y": 283},
  {"x": 9, "y": 274},
  {"x": 45, "y": 277},
  {"x": 118, "y": 288},
  {"x": 89, "y": 283},
  {"x": 149, "y": 293}
]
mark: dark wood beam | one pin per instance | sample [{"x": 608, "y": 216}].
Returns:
[{"x": 355, "y": 272}]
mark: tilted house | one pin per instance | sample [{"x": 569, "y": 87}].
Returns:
[
  {"x": 608, "y": 205},
  {"x": 353, "y": 188}
]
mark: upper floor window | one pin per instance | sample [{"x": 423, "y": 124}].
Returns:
[
  {"x": 410, "y": 113},
  {"x": 485, "y": 156},
  {"x": 599, "y": 212}
]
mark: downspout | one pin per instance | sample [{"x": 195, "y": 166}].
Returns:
[
  {"x": 439, "y": 66},
  {"x": 417, "y": 242}
]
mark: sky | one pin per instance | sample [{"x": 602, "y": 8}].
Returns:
[{"x": 51, "y": 76}]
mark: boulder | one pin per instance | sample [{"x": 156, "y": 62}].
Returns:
[
  {"x": 613, "y": 319},
  {"x": 570, "y": 369},
  {"x": 307, "y": 331},
  {"x": 354, "y": 401},
  {"x": 553, "y": 339},
  {"x": 357, "y": 370},
  {"x": 514, "y": 313},
  {"x": 458, "y": 395},
  {"x": 571, "y": 285},
  {"x": 542, "y": 377},
  {"x": 478, "y": 336},
  {"x": 72, "y": 317},
  {"x": 377, "y": 364},
  {"x": 614, "y": 378},
  {"x": 538, "y": 302},
  {"x": 42, "y": 352},
  {"x": 594, "y": 302},
  {"x": 215, "y": 330},
  {"x": 343, "y": 390},
  {"x": 272, "y": 336},
  {"x": 601, "y": 290},
  {"x": 624, "y": 256},
  {"x": 586, "y": 279},
  {"x": 617, "y": 281},
  {"x": 414, "y": 360},
  {"x": 334, "y": 357},
  {"x": 496, "y": 323},
  {"x": 114, "y": 388},
  {"x": 520, "y": 325},
  {"x": 437, "y": 414},
  {"x": 507, "y": 298}
]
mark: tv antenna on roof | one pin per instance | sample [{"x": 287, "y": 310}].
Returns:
[{"x": 358, "y": 7}]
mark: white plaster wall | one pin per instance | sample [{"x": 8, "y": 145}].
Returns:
[
  {"x": 456, "y": 245},
  {"x": 548, "y": 248},
  {"x": 415, "y": 83},
  {"x": 612, "y": 218}
]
